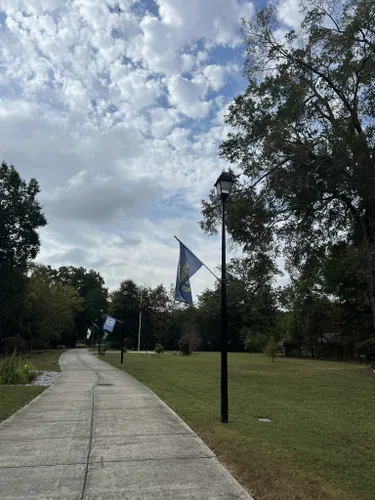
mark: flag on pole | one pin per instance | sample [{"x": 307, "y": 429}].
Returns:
[
  {"x": 188, "y": 265},
  {"x": 88, "y": 333},
  {"x": 109, "y": 323}
]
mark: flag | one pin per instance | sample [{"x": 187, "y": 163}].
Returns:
[
  {"x": 188, "y": 265},
  {"x": 109, "y": 323},
  {"x": 88, "y": 333}
]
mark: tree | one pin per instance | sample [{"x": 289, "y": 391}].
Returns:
[
  {"x": 184, "y": 345},
  {"x": 159, "y": 349},
  {"x": 253, "y": 342},
  {"x": 90, "y": 286},
  {"x": 159, "y": 303},
  {"x": 251, "y": 303},
  {"x": 271, "y": 349},
  {"x": 157, "y": 314},
  {"x": 303, "y": 136},
  {"x": 49, "y": 310},
  {"x": 190, "y": 333},
  {"x": 20, "y": 218}
]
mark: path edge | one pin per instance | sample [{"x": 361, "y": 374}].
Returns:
[
  {"x": 36, "y": 397},
  {"x": 225, "y": 471}
]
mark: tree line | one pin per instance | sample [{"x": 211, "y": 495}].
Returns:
[{"x": 301, "y": 146}]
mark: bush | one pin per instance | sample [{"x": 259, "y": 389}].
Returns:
[
  {"x": 14, "y": 371},
  {"x": 253, "y": 342},
  {"x": 366, "y": 349},
  {"x": 271, "y": 349},
  {"x": 29, "y": 371},
  {"x": 159, "y": 349},
  {"x": 185, "y": 346}
]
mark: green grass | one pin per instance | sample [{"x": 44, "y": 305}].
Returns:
[
  {"x": 321, "y": 442},
  {"x": 12, "y": 398},
  {"x": 44, "y": 359}
]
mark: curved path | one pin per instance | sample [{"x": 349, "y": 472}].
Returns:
[{"x": 98, "y": 434}]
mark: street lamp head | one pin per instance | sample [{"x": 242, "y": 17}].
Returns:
[{"x": 224, "y": 184}]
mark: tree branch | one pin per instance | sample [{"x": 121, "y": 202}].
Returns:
[{"x": 270, "y": 171}]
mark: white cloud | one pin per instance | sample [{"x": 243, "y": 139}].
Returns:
[
  {"x": 289, "y": 12},
  {"x": 215, "y": 75},
  {"x": 117, "y": 113},
  {"x": 188, "y": 96}
]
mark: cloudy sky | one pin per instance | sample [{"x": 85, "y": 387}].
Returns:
[{"x": 116, "y": 107}]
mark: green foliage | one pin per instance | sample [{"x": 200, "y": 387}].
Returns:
[
  {"x": 157, "y": 306},
  {"x": 184, "y": 345},
  {"x": 89, "y": 285},
  {"x": 159, "y": 349},
  {"x": 303, "y": 143},
  {"x": 253, "y": 342},
  {"x": 14, "y": 344},
  {"x": 14, "y": 371},
  {"x": 271, "y": 349},
  {"x": 251, "y": 302},
  {"x": 49, "y": 309},
  {"x": 20, "y": 218},
  {"x": 366, "y": 349}
]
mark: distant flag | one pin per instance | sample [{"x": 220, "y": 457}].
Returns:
[
  {"x": 109, "y": 323},
  {"x": 88, "y": 333},
  {"x": 188, "y": 265}
]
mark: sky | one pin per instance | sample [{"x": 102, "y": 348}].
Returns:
[{"x": 117, "y": 109}]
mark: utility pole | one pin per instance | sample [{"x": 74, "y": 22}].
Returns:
[
  {"x": 123, "y": 327},
  {"x": 140, "y": 324}
]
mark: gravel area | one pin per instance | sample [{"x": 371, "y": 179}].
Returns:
[{"x": 46, "y": 379}]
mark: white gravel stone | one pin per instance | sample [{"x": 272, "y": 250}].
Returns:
[{"x": 46, "y": 379}]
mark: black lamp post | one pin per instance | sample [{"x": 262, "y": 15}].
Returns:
[
  {"x": 100, "y": 329},
  {"x": 223, "y": 186},
  {"x": 124, "y": 293}
]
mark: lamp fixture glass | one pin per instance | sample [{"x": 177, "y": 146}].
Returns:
[{"x": 224, "y": 184}]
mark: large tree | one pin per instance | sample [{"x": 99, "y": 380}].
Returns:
[
  {"x": 303, "y": 135},
  {"x": 91, "y": 287},
  {"x": 49, "y": 310},
  {"x": 20, "y": 218}
]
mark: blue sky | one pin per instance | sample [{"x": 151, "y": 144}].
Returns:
[{"x": 117, "y": 109}]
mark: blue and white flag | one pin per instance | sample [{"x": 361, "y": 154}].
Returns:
[
  {"x": 109, "y": 323},
  {"x": 188, "y": 265}
]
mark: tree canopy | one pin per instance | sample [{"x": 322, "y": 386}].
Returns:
[{"x": 302, "y": 146}]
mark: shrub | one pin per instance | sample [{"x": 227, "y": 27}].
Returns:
[
  {"x": 366, "y": 349},
  {"x": 185, "y": 346},
  {"x": 9, "y": 345},
  {"x": 253, "y": 342},
  {"x": 271, "y": 349},
  {"x": 14, "y": 371},
  {"x": 159, "y": 349}
]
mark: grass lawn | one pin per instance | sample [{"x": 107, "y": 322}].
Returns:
[
  {"x": 12, "y": 398},
  {"x": 44, "y": 359},
  {"x": 321, "y": 442}
]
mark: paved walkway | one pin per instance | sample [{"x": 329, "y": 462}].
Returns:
[{"x": 98, "y": 434}]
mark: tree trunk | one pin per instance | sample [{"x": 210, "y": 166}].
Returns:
[
  {"x": 370, "y": 240},
  {"x": 372, "y": 296}
]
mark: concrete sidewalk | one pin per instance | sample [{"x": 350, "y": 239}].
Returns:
[{"x": 98, "y": 434}]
